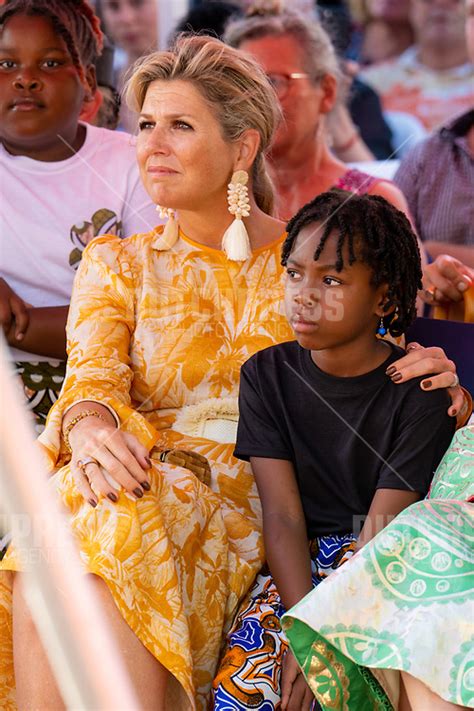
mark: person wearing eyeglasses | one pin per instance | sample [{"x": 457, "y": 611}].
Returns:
[{"x": 301, "y": 63}]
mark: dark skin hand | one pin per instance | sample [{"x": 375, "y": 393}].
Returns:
[
  {"x": 13, "y": 311},
  {"x": 35, "y": 330},
  {"x": 46, "y": 332},
  {"x": 287, "y": 550}
]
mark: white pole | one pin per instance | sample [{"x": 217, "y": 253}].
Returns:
[{"x": 88, "y": 668}]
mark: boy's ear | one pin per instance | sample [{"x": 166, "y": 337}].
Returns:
[{"x": 384, "y": 305}]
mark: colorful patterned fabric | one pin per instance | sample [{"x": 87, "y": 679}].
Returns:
[
  {"x": 41, "y": 385},
  {"x": 415, "y": 613},
  {"x": 250, "y": 671},
  {"x": 151, "y": 332}
]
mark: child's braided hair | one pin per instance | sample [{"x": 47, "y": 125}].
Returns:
[
  {"x": 378, "y": 235},
  {"x": 74, "y": 20}
]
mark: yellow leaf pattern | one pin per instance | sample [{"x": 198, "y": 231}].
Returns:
[{"x": 150, "y": 332}]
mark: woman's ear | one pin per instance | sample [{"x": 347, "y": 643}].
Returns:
[
  {"x": 247, "y": 149},
  {"x": 329, "y": 88}
]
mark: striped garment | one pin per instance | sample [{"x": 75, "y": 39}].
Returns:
[{"x": 437, "y": 178}]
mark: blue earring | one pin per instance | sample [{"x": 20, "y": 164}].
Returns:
[{"x": 381, "y": 329}]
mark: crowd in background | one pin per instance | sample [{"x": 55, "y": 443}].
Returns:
[{"x": 405, "y": 73}]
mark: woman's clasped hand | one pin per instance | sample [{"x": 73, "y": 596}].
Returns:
[{"x": 106, "y": 459}]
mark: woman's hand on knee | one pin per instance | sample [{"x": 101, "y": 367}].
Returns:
[
  {"x": 106, "y": 459},
  {"x": 434, "y": 362}
]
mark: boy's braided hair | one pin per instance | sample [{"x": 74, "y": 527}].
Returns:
[
  {"x": 74, "y": 20},
  {"x": 376, "y": 234}
]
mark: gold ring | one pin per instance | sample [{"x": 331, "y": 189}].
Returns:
[
  {"x": 430, "y": 292},
  {"x": 82, "y": 463}
]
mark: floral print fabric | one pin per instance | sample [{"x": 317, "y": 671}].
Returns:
[
  {"x": 415, "y": 612},
  {"x": 149, "y": 333}
]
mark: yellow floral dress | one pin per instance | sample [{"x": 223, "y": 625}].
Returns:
[{"x": 150, "y": 333}]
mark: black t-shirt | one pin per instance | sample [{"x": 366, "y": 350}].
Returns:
[{"x": 346, "y": 437}]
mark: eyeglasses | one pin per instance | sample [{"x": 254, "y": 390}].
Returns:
[{"x": 281, "y": 82}]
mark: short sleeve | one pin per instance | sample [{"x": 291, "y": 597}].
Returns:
[
  {"x": 424, "y": 433},
  {"x": 259, "y": 433}
]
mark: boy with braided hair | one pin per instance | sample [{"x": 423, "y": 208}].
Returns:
[
  {"x": 332, "y": 441},
  {"x": 63, "y": 174}
]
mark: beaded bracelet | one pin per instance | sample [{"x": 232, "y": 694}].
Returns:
[{"x": 73, "y": 423}]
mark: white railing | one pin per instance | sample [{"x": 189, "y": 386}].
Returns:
[{"x": 89, "y": 670}]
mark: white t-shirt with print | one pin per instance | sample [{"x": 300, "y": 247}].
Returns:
[{"x": 50, "y": 211}]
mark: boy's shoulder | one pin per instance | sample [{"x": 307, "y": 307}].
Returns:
[
  {"x": 273, "y": 357},
  {"x": 411, "y": 392},
  {"x": 113, "y": 146}
]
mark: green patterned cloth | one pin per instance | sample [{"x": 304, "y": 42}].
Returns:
[
  {"x": 404, "y": 602},
  {"x": 41, "y": 383}
]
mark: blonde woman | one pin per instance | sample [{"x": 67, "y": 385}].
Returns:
[{"x": 159, "y": 326}]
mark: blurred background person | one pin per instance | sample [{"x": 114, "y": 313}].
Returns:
[
  {"x": 210, "y": 17},
  {"x": 384, "y": 29},
  {"x": 300, "y": 60},
  {"x": 132, "y": 27},
  {"x": 433, "y": 79},
  {"x": 437, "y": 178},
  {"x": 362, "y": 102},
  {"x": 104, "y": 111},
  {"x": 108, "y": 115}
]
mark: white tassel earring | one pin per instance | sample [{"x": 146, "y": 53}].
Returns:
[
  {"x": 170, "y": 233},
  {"x": 235, "y": 242}
]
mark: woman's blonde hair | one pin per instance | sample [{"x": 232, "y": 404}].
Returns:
[{"x": 234, "y": 86}]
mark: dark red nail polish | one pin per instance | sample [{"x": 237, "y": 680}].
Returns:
[
  {"x": 112, "y": 497},
  {"x": 391, "y": 370},
  {"x": 426, "y": 384},
  {"x": 148, "y": 461},
  {"x": 138, "y": 492},
  {"x": 146, "y": 485},
  {"x": 93, "y": 502},
  {"x": 397, "y": 377}
]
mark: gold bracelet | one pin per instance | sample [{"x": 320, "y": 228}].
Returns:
[{"x": 73, "y": 423}]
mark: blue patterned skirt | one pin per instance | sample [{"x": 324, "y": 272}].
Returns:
[{"x": 250, "y": 669}]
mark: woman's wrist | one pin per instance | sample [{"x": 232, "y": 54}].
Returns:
[
  {"x": 85, "y": 414},
  {"x": 83, "y": 411}
]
